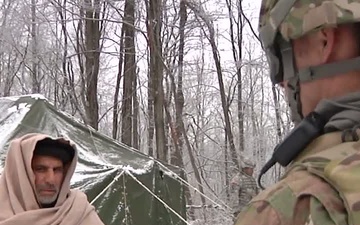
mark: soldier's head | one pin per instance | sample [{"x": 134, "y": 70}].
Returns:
[
  {"x": 312, "y": 48},
  {"x": 248, "y": 166}
]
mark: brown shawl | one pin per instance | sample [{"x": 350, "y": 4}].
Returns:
[{"x": 18, "y": 204}]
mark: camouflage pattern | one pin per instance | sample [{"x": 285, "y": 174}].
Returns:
[
  {"x": 248, "y": 189},
  {"x": 247, "y": 162},
  {"x": 243, "y": 189},
  {"x": 321, "y": 187},
  {"x": 310, "y": 15}
]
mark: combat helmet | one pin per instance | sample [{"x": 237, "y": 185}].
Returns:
[
  {"x": 247, "y": 163},
  {"x": 281, "y": 21}
]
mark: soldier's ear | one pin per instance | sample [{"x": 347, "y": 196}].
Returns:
[{"x": 325, "y": 40}]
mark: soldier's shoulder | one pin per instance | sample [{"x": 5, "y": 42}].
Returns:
[
  {"x": 288, "y": 200},
  {"x": 260, "y": 213}
]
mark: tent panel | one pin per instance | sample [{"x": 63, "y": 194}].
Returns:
[
  {"x": 101, "y": 160},
  {"x": 172, "y": 193}
]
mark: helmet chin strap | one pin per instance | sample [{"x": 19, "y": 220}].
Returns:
[
  {"x": 293, "y": 85},
  {"x": 293, "y": 95},
  {"x": 295, "y": 77}
]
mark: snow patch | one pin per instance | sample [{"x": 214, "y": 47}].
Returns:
[
  {"x": 19, "y": 107},
  {"x": 37, "y": 96},
  {"x": 14, "y": 116},
  {"x": 17, "y": 97},
  {"x": 171, "y": 174},
  {"x": 77, "y": 177},
  {"x": 147, "y": 167},
  {"x": 12, "y": 98},
  {"x": 83, "y": 172}
]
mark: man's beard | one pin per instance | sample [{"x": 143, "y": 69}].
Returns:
[{"x": 45, "y": 200}]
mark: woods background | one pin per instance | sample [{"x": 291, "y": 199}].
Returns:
[{"x": 183, "y": 81}]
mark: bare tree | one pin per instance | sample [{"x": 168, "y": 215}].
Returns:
[
  {"x": 150, "y": 112},
  {"x": 154, "y": 25},
  {"x": 65, "y": 84},
  {"x": 34, "y": 47},
  {"x": 127, "y": 109},
  {"x": 225, "y": 104},
  {"x": 117, "y": 87},
  {"x": 91, "y": 51},
  {"x": 236, "y": 36},
  {"x": 135, "y": 118}
]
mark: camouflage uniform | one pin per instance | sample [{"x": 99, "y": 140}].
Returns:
[
  {"x": 298, "y": 197},
  {"x": 246, "y": 190},
  {"x": 322, "y": 185},
  {"x": 243, "y": 189}
]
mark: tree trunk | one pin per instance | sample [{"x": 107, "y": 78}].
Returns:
[
  {"x": 135, "y": 126},
  {"x": 117, "y": 87},
  {"x": 34, "y": 47},
  {"x": 176, "y": 131},
  {"x": 129, "y": 73},
  {"x": 153, "y": 24},
  {"x": 68, "y": 80},
  {"x": 227, "y": 174},
  {"x": 239, "y": 26},
  {"x": 92, "y": 56},
  {"x": 236, "y": 44},
  {"x": 178, "y": 92},
  {"x": 199, "y": 12},
  {"x": 150, "y": 110}
]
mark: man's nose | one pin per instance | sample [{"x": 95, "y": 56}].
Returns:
[{"x": 50, "y": 176}]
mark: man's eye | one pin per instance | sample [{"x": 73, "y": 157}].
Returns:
[
  {"x": 40, "y": 169},
  {"x": 58, "y": 170}
]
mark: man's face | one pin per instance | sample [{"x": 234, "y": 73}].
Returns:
[
  {"x": 249, "y": 171},
  {"x": 49, "y": 175}
]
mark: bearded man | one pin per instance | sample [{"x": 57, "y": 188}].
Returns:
[{"x": 35, "y": 184}]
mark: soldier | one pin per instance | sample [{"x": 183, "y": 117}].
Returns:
[
  {"x": 313, "y": 49},
  {"x": 243, "y": 187}
]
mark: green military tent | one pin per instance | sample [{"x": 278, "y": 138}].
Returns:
[{"x": 124, "y": 185}]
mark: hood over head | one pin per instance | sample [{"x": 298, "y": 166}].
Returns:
[
  {"x": 17, "y": 194},
  {"x": 19, "y": 173}
]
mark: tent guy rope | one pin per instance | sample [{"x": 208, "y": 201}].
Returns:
[
  {"x": 187, "y": 183},
  {"x": 159, "y": 199},
  {"x": 107, "y": 187}
]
